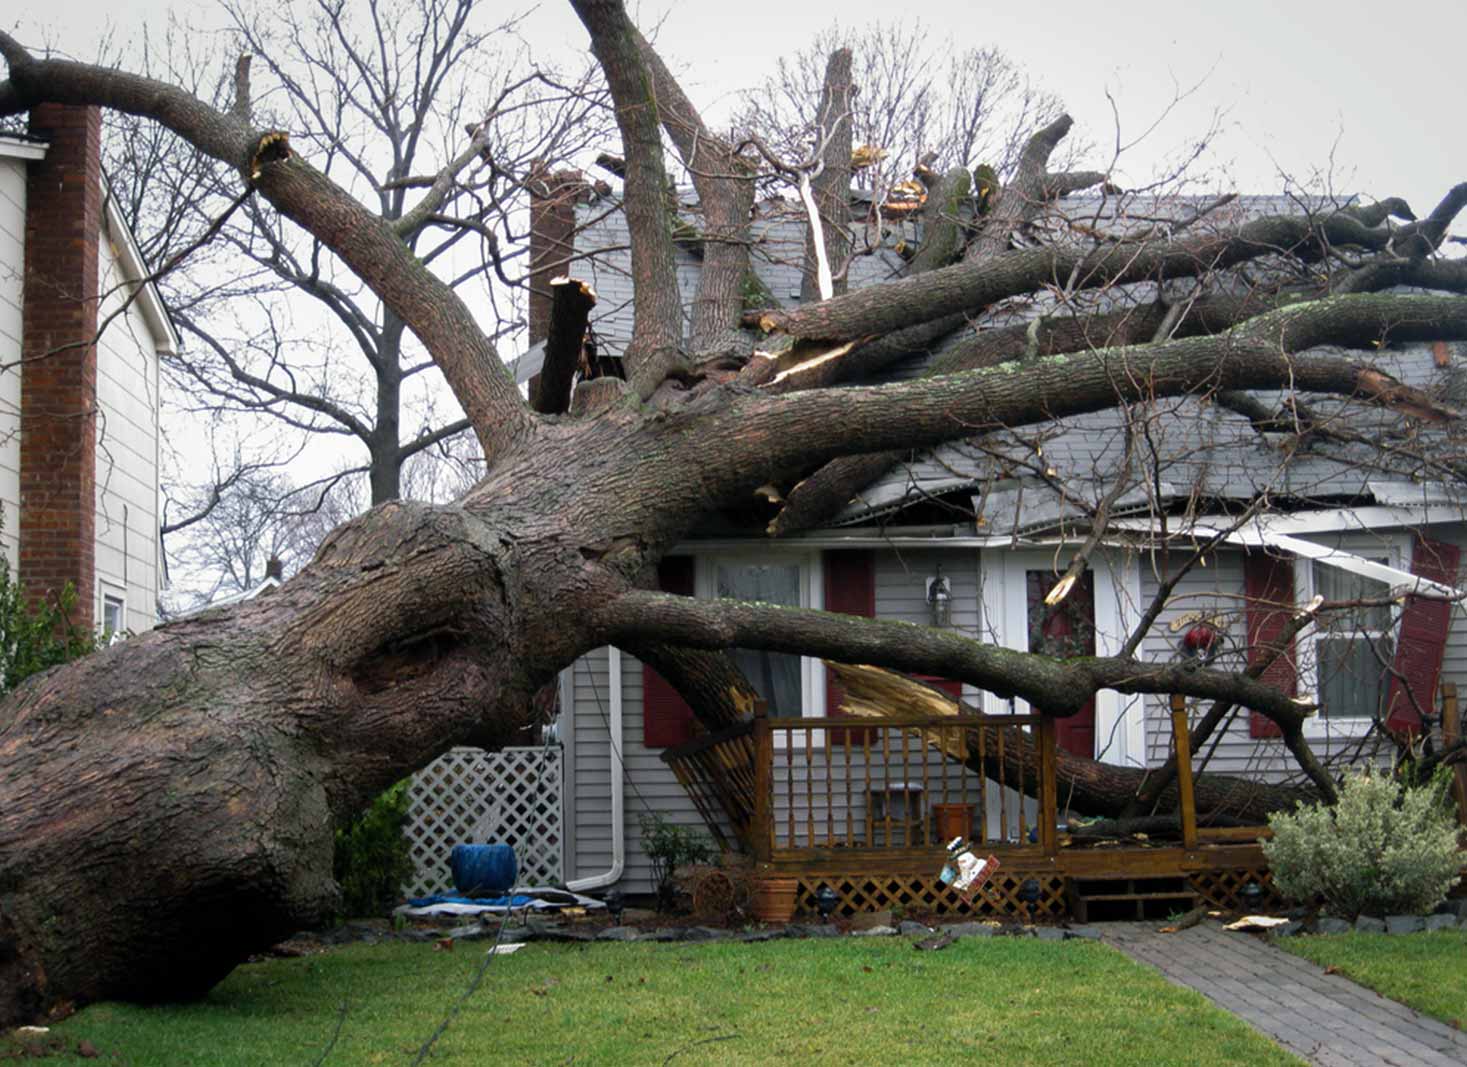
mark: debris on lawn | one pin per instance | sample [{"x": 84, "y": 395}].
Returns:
[
  {"x": 933, "y": 944},
  {"x": 1256, "y": 922},
  {"x": 534, "y": 899},
  {"x": 1186, "y": 922}
]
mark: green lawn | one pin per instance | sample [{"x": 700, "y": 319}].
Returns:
[
  {"x": 1426, "y": 971},
  {"x": 868, "y": 1001}
]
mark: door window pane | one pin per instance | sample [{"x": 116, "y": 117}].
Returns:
[{"x": 776, "y": 676}]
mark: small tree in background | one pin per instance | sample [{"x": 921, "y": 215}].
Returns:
[{"x": 373, "y": 857}]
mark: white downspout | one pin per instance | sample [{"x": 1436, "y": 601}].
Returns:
[{"x": 618, "y": 778}]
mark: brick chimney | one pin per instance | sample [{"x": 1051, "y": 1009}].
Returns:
[
  {"x": 58, "y": 436},
  {"x": 553, "y": 199}
]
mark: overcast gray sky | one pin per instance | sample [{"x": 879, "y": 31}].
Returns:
[{"x": 1379, "y": 88}]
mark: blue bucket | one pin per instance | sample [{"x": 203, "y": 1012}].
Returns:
[{"x": 483, "y": 870}]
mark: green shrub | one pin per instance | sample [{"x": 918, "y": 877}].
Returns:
[
  {"x": 669, "y": 847},
  {"x": 373, "y": 856},
  {"x": 1382, "y": 850},
  {"x": 34, "y": 637}
]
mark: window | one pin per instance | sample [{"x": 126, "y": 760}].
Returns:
[
  {"x": 787, "y": 682},
  {"x": 1347, "y": 654},
  {"x": 114, "y": 617}
]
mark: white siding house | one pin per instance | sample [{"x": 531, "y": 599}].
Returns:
[{"x": 60, "y": 383}]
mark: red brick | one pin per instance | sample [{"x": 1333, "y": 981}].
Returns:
[{"x": 58, "y": 438}]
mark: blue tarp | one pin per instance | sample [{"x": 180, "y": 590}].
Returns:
[{"x": 518, "y": 900}]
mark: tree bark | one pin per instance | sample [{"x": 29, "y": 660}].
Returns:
[
  {"x": 571, "y": 302},
  {"x": 831, "y": 188}
]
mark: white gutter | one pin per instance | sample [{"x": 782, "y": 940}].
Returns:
[{"x": 618, "y": 786}]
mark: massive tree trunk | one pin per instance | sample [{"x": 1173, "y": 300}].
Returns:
[{"x": 166, "y": 805}]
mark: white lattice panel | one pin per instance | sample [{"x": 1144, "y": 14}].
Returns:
[{"x": 470, "y": 796}]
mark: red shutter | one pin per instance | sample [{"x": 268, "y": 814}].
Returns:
[
  {"x": 1423, "y": 637},
  {"x": 850, "y": 588},
  {"x": 1268, "y": 584},
  {"x": 666, "y": 717}
]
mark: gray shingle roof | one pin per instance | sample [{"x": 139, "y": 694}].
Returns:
[{"x": 1040, "y": 476}]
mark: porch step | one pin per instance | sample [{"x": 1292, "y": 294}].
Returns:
[{"x": 1097, "y": 899}]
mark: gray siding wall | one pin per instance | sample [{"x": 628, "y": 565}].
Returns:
[{"x": 1218, "y": 589}]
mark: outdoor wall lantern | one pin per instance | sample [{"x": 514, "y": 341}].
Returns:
[
  {"x": 1029, "y": 895},
  {"x": 940, "y": 599},
  {"x": 1252, "y": 896},
  {"x": 615, "y": 903}
]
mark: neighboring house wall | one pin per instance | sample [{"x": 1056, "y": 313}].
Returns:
[
  {"x": 79, "y": 435},
  {"x": 127, "y": 489},
  {"x": 12, "y": 259}
]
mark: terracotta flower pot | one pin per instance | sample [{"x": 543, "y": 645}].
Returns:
[
  {"x": 952, "y": 820},
  {"x": 774, "y": 899}
]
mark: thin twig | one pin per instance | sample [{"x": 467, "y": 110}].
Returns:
[{"x": 695, "y": 1044}]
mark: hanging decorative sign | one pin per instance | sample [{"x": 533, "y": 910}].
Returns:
[{"x": 964, "y": 870}]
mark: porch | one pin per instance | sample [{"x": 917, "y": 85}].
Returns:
[{"x": 866, "y": 806}]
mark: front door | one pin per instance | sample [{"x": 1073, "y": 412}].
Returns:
[
  {"x": 1064, "y": 630},
  {"x": 1097, "y": 615}
]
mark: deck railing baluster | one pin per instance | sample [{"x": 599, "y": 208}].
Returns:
[{"x": 809, "y": 791}]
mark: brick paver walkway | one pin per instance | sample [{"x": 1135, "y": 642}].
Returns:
[{"x": 1326, "y": 1019}]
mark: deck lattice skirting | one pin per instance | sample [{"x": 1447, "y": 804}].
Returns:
[{"x": 468, "y": 795}]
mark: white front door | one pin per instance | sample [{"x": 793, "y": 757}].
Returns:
[{"x": 1120, "y": 732}]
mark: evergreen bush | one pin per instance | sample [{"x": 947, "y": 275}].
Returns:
[
  {"x": 36, "y": 636},
  {"x": 1382, "y": 850},
  {"x": 373, "y": 856},
  {"x": 670, "y": 846}
]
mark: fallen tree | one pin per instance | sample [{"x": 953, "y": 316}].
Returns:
[{"x": 166, "y": 806}]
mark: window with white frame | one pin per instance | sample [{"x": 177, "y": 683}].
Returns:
[
  {"x": 1346, "y": 655},
  {"x": 787, "y": 682},
  {"x": 113, "y": 616}
]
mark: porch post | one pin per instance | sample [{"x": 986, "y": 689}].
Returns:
[
  {"x": 1451, "y": 731},
  {"x": 1182, "y": 739},
  {"x": 762, "y": 833},
  {"x": 1048, "y": 796}
]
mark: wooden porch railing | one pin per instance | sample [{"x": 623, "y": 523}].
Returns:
[
  {"x": 718, "y": 770},
  {"x": 825, "y": 784}
]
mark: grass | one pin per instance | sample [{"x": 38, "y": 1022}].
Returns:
[
  {"x": 1425, "y": 971},
  {"x": 868, "y": 1001}
]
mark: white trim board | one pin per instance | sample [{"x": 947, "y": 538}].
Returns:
[{"x": 1397, "y": 579}]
